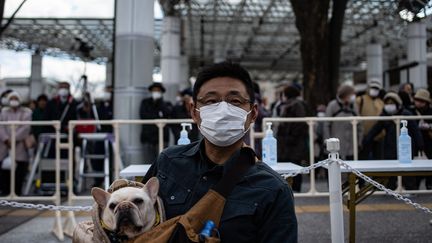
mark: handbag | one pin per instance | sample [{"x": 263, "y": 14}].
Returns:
[{"x": 6, "y": 163}]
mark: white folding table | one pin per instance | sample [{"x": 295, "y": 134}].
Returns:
[
  {"x": 378, "y": 168},
  {"x": 141, "y": 170}
]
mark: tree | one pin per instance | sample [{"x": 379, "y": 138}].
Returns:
[{"x": 320, "y": 46}]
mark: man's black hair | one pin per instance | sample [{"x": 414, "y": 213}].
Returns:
[
  {"x": 42, "y": 97},
  {"x": 224, "y": 69}
]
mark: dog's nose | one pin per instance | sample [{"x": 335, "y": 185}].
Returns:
[{"x": 123, "y": 206}]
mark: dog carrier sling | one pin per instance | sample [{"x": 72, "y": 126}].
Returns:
[{"x": 187, "y": 227}]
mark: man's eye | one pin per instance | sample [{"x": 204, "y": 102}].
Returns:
[
  {"x": 210, "y": 101},
  {"x": 235, "y": 102}
]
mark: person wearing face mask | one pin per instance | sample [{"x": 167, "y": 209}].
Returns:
[
  {"x": 422, "y": 102},
  {"x": 292, "y": 136},
  {"x": 4, "y": 98},
  {"x": 105, "y": 109},
  {"x": 62, "y": 107},
  {"x": 154, "y": 107},
  {"x": 261, "y": 206},
  {"x": 406, "y": 94},
  {"x": 370, "y": 104},
  {"x": 14, "y": 112},
  {"x": 344, "y": 105},
  {"x": 393, "y": 106},
  {"x": 181, "y": 111}
]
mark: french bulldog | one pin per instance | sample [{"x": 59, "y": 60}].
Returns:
[{"x": 128, "y": 211}]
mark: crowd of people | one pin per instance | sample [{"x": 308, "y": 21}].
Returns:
[{"x": 376, "y": 139}]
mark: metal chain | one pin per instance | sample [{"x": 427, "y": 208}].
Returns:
[
  {"x": 386, "y": 190},
  {"x": 301, "y": 171},
  {"x": 45, "y": 207},
  {"x": 306, "y": 170}
]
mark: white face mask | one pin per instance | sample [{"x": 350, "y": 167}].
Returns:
[
  {"x": 14, "y": 103},
  {"x": 107, "y": 96},
  {"x": 321, "y": 114},
  {"x": 390, "y": 108},
  {"x": 373, "y": 92},
  {"x": 63, "y": 92},
  {"x": 156, "y": 95},
  {"x": 222, "y": 123},
  {"x": 352, "y": 98}
]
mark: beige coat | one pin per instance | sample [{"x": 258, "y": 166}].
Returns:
[
  {"x": 22, "y": 132},
  {"x": 370, "y": 107}
]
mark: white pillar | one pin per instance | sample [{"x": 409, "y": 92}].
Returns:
[
  {"x": 374, "y": 60},
  {"x": 184, "y": 72},
  {"x": 170, "y": 57},
  {"x": 417, "y": 53},
  {"x": 36, "y": 86},
  {"x": 108, "y": 73},
  {"x": 403, "y": 74},
  {"x": 134, "y": 48}
]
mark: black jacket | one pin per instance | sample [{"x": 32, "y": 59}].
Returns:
[
  {"x": 154, "y": 109},
  {"x": 55, "y": 110},
  {"x": 259, "y": 209},
  {"x": 390, "y": 140}
]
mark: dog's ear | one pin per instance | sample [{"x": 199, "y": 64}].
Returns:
[
  {"x": 152, "y": 188},
  {"x": 100, "y": 196}
]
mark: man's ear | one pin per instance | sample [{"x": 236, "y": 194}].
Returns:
[
  {"x": 100, "y": 196},
  {"x": 194, "y": 113},
  {"x": 254, "y": 112},
  {"x": 152, "y": 188}
]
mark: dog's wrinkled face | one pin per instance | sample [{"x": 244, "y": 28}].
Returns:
[{"x": 128, "y": 211}]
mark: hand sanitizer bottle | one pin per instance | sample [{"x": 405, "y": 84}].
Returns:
[
  {"x": 184, "y": 139},
  {"x": 404, "y": 146},
  {"x": 269, "y": 146}
]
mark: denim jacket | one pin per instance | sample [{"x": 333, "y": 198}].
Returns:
[{"x": 259, "y": 209}]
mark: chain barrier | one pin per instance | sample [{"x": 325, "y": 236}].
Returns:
[
  {"x": 45, "y": 207},
  {"x": 383, "y": 188},
  {"x": 304, "y": 170}
]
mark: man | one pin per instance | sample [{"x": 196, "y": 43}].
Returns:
[
  {"x": 343, "y": 106},
  {"x": 261, "y": 206},
  {"x": 62, "y": 107},
  {"x": 154, "y": 108},
  {"x": 293, "y": 136},
  {"x": 370, "y": 104}
]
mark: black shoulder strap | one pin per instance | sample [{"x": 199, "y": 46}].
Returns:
[{"x": 243, "y": 160}]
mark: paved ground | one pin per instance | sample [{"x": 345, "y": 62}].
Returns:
[{"x": 379, "y": 219}]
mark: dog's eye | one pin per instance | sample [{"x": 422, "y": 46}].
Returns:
[
  {"x": 112, "y": 206},
  {"x": 138, "y": 201}
]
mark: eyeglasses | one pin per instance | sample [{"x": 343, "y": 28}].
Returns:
[{"x": 235, "y": 100}]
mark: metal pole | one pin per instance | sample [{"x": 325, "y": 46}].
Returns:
[
  {"x": 355, "y": 139},
  {"x": 335, "y": 192},
  {"x": 161, "y": 135},
  {"x": 312, "y": 156},
  {"x": 117, "y": 150},
  {"x": 13, "y": 160}
]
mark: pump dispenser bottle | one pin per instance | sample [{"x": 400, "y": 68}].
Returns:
[
  {"x": 269, "y": 146},
  {"x": 404, "y": 145},
  {"x": 184, "y": 139}
]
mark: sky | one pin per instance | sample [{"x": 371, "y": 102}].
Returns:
[{"x": 17, "y": 64}]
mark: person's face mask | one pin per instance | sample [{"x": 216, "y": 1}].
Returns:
[
  {"x": 63, "y": 92},
  {"x": 156, "y": 95},
  {"x": 390, "y": 108},
  {"x": 107, "y": 96},
  {"x": 223, "y": 124},
  {"x": 321, "y": 114},
  {"x": 14, "y": 103},
  {"x": 373, "y": 92},
  {"x": 352, "y": 99}
]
